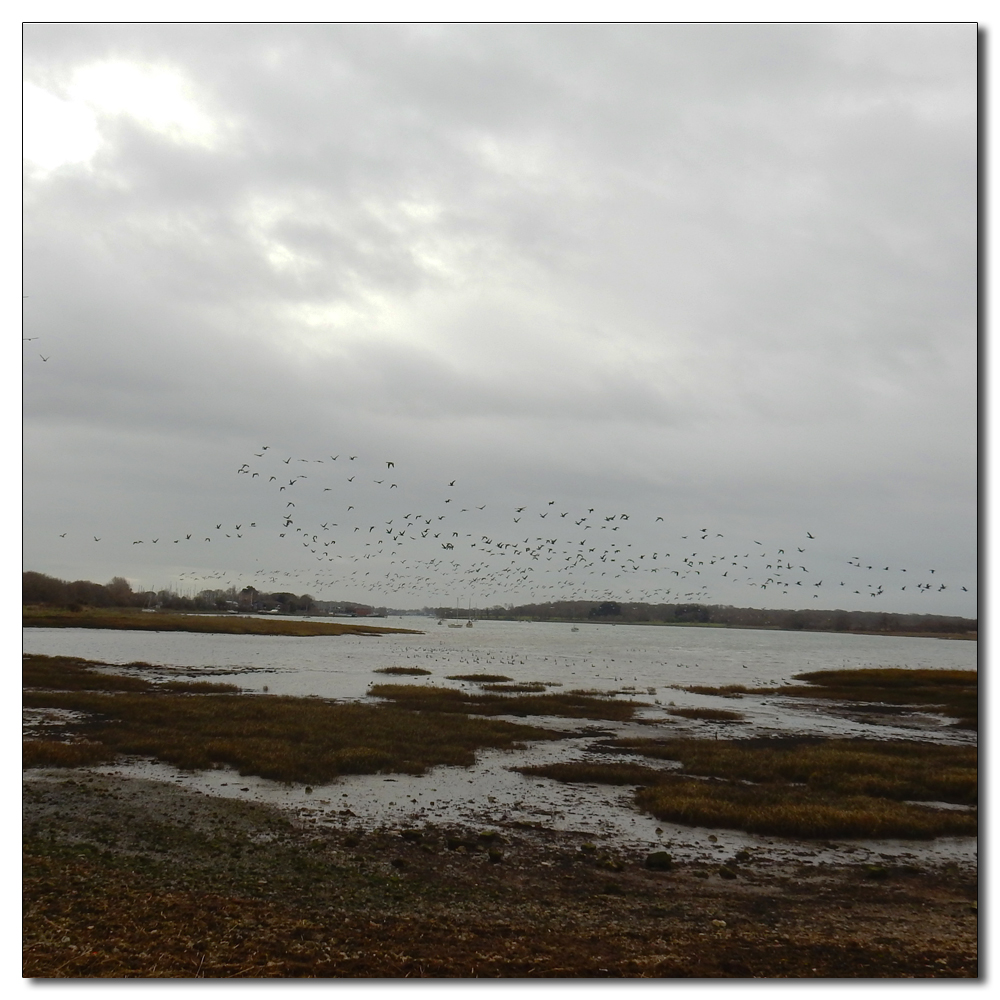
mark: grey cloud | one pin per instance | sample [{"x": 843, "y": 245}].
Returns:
[{"x": 724, "y": 248}]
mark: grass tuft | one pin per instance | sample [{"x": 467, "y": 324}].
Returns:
[
  {"x": 401, "y": 671},
  {"x": 572, "y": 705}
]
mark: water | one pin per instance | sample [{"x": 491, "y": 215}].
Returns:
[{"x": 645, "y": 661}]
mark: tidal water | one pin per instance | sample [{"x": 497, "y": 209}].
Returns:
[{"x": 647, "y": 663}]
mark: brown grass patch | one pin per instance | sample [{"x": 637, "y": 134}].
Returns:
[
  {"x": 307, "y": 740},
  {"x": 403, "y": 671},
  {"x": 70, "y": 673},
  {"x": 788, "y": 811},
  {"x": 900, "y": 769},
  {"x": 774, "y": 807},
  {"x": 54, "y": 753},
  {"x": 723, "y": 691},
  {"x": 225, "y": 624},
  {"x": 951, "y": 692}
]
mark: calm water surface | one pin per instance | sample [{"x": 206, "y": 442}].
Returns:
[{"x": 649, "y": 659}]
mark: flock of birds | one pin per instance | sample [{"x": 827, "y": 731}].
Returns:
[{"x": 357, "y": 522}]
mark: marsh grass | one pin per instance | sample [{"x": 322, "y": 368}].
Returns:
[
  {"x": 403, "y": 671},
  {"x": 306, "y": 740},
  {"x": 480, "y": 678},
  {"x": 707, "y": 714},
  {"x": 899, "y": 770},
  {"x": 724, "y": 691},
  {"x": 784, "y": 810},
  {"x": 952, "y": 692},
  {"x": 56, "y": 753},
  {"x": 71, "y": 673},
  {"x": 894, "y": 690},
  {"x": 817, "y": 788},
  {"x": 569, "y": 704},
  {"x": 226, "y": 624}
]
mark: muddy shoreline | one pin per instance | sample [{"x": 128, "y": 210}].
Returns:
[{"x": 132, "y": 878}]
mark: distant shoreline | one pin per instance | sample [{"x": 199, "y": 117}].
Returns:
[
  {"x": 904, "y": 633},
  {"x": 138, "y": 621}
]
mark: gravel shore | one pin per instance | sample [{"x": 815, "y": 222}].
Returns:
[{"x": 125, "y": 877}]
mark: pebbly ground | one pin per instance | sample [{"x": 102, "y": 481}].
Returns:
[{"x": 127, "y": 877}]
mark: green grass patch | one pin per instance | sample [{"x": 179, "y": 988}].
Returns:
[
  {"x": 166, "y": 622},
  {"x": 306, "y": 740},
  {"x": 403, "y": 671},
  {"x": 570, "y": 704},
  {"x": 480, "y": 678}
]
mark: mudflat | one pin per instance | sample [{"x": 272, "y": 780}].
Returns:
[{"x": 125, "y": 877}]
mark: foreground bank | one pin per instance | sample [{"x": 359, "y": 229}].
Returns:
[{"x": 132, "y": 878}]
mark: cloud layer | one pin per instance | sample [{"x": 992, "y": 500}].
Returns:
[{"x": 721, "y": 274}]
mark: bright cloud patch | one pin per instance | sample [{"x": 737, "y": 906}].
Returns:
[{"x": 57, "y": 132}]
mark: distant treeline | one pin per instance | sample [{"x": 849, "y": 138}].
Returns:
[
  {"x": 39, "y": 589},
  {"x": 718, "y": 614}
]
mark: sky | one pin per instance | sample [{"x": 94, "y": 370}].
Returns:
[{"x": 696, "y": 298}]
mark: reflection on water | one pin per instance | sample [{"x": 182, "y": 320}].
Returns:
[{"x": 648, "y": 659}]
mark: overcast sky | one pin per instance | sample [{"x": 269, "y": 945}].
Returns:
[{"x": 722, "y": 275}]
